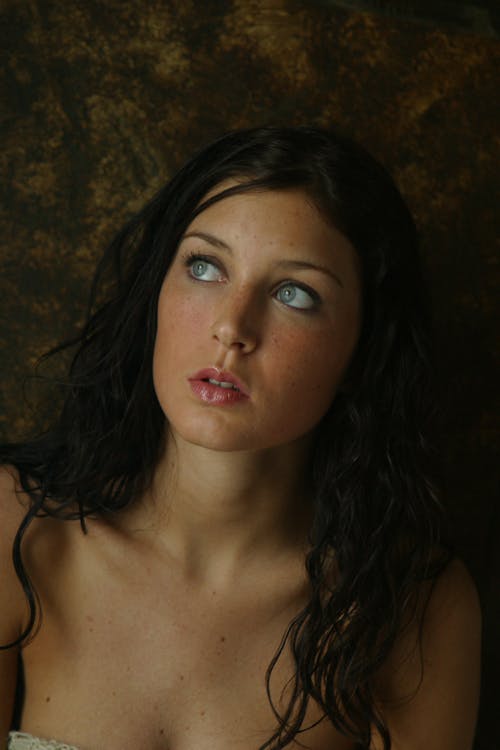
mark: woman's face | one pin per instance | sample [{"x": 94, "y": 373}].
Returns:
[{"x": 263, "y": 296}]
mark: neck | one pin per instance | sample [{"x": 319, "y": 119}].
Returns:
[{"x": 220, "y": 513}]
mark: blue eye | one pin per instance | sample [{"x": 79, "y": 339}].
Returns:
[
  {"x": 202, "y": 269},
  {"x": 294, "y": 296}
]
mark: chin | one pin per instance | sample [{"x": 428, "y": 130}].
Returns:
[
  {"x": 211, "y": 433},
  {"x": 215, "y": 436},
  {"x": 216, "y": 442}
]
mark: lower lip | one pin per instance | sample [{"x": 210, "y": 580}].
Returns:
[{"x": 215, "y": 394}]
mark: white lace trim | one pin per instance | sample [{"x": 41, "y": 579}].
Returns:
[{"x": 23, "y": 741}]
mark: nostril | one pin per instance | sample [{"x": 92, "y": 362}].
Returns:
[{"x": 231, "y": 336}]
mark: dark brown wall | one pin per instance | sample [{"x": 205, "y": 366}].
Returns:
[{"x": 103, "y": 102}]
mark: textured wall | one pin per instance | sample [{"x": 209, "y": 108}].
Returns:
[{"x": 104, "y": 100}]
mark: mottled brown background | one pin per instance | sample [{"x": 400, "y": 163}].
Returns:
[{"x": 103, "y": 100}]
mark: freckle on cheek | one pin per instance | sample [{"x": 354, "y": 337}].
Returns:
[{"x": 189, "y": 315}]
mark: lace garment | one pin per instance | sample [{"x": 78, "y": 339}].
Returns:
[{"x": 23, "y": 741}]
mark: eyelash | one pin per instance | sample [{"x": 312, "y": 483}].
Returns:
[{"x": 192, "y": 257}]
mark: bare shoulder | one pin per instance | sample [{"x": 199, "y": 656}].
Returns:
[
  {"x": 428, "y": 690},
  {"x": 455, "y": 593},
  {"x": 12, "y": 603},
  {"x": 12, "y": 499},
  {"x": 13, "y": 507}
]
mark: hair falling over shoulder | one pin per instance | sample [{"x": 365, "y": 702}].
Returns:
[{"x": 376, "y": 514}]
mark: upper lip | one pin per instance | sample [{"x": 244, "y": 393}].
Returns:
[{"x": 222, "y": 376}]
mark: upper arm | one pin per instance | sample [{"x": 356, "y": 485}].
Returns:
[
  {"x": 12, "y": 605},
  {"x": 428, "y": 691}
]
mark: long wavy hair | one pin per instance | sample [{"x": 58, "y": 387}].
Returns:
[{"x": 377, "y": 515}]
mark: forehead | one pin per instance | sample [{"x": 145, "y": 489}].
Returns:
[
  {"x": 255, "y": 205},
  {"x": 287, "y": 219}
]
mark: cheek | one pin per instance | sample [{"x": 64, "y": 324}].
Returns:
[
  {"x": 317, "y": 360},
  {"x": 310, "y": 369},
  {"x": 301, "y": 385},
  {"x": 179, "y": 319}
]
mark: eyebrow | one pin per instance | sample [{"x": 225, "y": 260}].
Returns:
[
  {"x": 298, "y": 264},
  {"x": 208, "y": 238}
]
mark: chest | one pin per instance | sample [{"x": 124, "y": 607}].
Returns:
[{"x": 123, "y": 660}]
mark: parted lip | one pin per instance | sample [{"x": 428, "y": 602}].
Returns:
[{"x": 222, "y": 376}]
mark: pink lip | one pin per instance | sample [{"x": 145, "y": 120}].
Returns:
[{"x": 215, "y": 394}]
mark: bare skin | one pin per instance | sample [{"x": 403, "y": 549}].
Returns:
[
  {"x": 162, "y": 653},
  {"x": 158, "y": 625},
  {"x": 129, "y": 653}
]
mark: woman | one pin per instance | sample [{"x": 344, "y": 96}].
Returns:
[{"x": 244, "y": 443}]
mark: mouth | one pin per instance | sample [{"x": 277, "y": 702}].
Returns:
[
  {"x": 220, "y": 379},
  {"x": 221, "y": 383}
]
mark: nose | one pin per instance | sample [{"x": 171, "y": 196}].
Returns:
[{"x": 235, "y": 324}]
